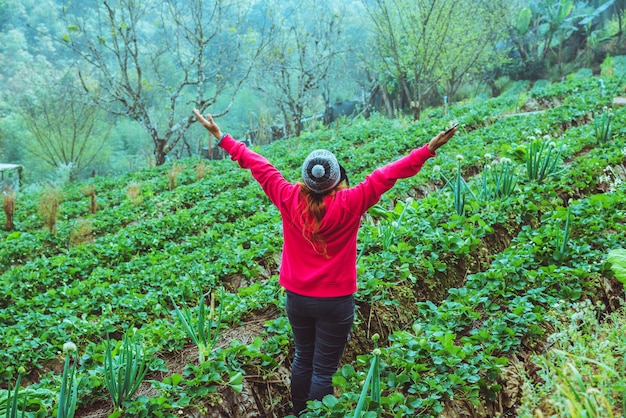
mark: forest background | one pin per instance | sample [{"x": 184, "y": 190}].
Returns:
[{"x": 107, "y": 87}]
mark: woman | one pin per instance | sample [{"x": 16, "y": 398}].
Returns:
[{"x": 321, "y": 217}]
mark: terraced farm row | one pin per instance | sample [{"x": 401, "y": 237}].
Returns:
[{"x": 453, "y": 292}]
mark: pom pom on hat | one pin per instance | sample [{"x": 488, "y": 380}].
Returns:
[{"x": 321, "y": 171}]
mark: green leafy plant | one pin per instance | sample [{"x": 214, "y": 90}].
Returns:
[
  {"x": 125, "y": 370},
  {"x": 542, "y": 159},
  {"x": 617, "y": 260},
  {"x": 388, "y": 231},
  {"x": 202, "y": 330}
]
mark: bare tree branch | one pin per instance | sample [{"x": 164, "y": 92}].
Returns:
[
  {"x": 153, "y": 61},
  {"x": 67, "y": 130},
  {"x": 300, "y": 57}
]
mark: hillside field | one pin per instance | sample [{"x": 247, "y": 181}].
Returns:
[{"x": 465, "y": 270}]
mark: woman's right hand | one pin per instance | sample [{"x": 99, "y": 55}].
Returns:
[{"x": 208, "y": 122}]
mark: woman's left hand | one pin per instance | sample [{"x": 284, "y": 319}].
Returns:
[{"x": 208, "y": 122}]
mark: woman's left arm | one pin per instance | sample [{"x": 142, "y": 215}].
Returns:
[
  {"x": 208, "y": 122},
  {"x": 270, "y": 179},
  {"x": 369, "y": 192}
]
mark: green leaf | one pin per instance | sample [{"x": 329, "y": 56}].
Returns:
[
  {"x": 330, "y": 401},
  {"x": 174, "y": 379},
  {"x": 236, "y": 382},
  {"x": 523, "y": 20},
  {"x": 617, "y": 259}
]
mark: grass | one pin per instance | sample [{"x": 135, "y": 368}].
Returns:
[
  {"x": 583, "y": 374},
  {"x": 134, "y": 193},
  {"x": 173, "y": 173},
  {"x": 49, "y": 206}
]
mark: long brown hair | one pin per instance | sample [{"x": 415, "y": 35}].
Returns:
[{"x": 312, "y": 210}]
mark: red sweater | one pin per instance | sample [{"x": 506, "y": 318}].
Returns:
[{"x": 305, "y": 268}]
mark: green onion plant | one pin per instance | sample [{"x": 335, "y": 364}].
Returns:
[
  {"x": 542, "y": 159},
  {"x": 11, "y": 406},
  {"x": 372, "y": 383},
  {"x": 498, "y": 179},
  {"x": 68, "y": 396},
  {"x": 202, "y": 330},
  {"x": 562, "y": 246},
  {"x": 20, "y": 402},
  {"x": 459, "y": 188},
  {"x": 124, "y": 371},
  {"x": 602, "y": 125}
]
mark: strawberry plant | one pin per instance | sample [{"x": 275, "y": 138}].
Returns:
[{"x": 453, "y": 292}]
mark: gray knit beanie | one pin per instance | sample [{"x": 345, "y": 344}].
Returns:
[{"x": 321, "y": 171}]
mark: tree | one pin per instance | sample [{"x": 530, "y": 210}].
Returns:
[
  {"x": 540, "y": 27},
  {"x": 154, "y": 61},
  {"x": 300, "y": 57},
  {"x": 620, "y": 7},
  {"x": 66, "y": 128},
  {"x": 27, "y": 62},
  {"x": 471, "y": 47},
  {"x": 421, "y": 44}
]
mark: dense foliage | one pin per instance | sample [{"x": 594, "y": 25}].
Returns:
[
  {"x": 454, "y": 297},
  {"x": 105, "y": 86}
]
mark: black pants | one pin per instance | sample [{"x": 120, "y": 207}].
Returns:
[{"x": 321, "y": 327}]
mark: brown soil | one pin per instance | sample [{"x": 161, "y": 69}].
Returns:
[
  {"x": 264, "y": 396},
  {"x": 259, "y": 398}
]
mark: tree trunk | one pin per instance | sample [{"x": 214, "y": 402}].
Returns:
[
  {"x": 387, "y": 102},
  {"x": 159, "y": 152}
]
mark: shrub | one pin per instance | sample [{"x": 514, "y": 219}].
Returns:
[
  {"x": 49, "y": 206},
  {"x": 8, "y": 204},
  {"x": 173, "y": 173}
]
